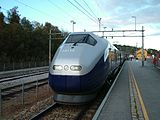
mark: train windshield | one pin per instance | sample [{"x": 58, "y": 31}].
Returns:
[
  {"x": 76, "y": 39},
  {"x": 81, "y": 38}
]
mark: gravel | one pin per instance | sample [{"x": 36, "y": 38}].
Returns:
[{"x": 13, "y": 109}]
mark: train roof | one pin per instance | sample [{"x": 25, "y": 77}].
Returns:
[
  {"x": 95, "y": 36},
  {"x": 81, "y": 33},
  {"x": 87, "y": 33}
]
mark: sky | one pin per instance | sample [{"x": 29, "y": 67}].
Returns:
[{"x": 114, "y": 14}]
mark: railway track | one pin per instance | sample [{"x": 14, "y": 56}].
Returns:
[
  {"x": 22, "y": 80},
  {"x": 73, "y": 112},
  {"x": 59, "y": 112},
  {"x": 70, "y": 112},
  {"x": 23, "y": 72},
  {"x": 11, "y": 86},
  {"x": 5, "y": 79},
  {"x": 13, "y": 90}
]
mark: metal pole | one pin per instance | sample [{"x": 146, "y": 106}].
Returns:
[
  {"x": 50, "y": 37},
  {"x": 142, "y": 46},
  {"x": 73, "y": 22},
  {"x": 37, "y": 90},
  {"x": 0, "y": 103},
  {"x": 99, "y": 21},
  {"x": 22, "y": 92}
]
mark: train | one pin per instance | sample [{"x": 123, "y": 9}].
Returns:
[{"x": 80, "y": 67}]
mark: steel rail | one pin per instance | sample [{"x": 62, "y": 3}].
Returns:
[
  {"x": 43, "y": 112},
  {"x": 7, "y": 92},
  {"x": 5, "y": 79}
]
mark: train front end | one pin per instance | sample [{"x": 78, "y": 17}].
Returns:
[{"x": 76, "y": 72}]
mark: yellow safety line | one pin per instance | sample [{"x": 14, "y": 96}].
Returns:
[{"x": 140, "y": 97}]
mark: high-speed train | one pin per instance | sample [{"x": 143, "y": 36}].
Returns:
[{"x": 80, "y": 67}]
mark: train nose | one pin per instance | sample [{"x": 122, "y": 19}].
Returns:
[
  {"x": 67, "y": 84},
  {"x": 73, "y": 84}
]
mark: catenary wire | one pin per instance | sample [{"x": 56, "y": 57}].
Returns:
[
  {"x": 55, "y": 5},
  {"x": 59, "y": 8},
  {"x": 90, "y": 9},
  {"x": 82, "y": 11},
  {"x": 39, "y": 11},
  {"x": 85, "y": 10}
]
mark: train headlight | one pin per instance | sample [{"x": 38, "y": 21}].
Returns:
[
  {"x": 76, "y": 68},
  {"x": 57, "y": 67},
  {"x": 66, "y": 67}
]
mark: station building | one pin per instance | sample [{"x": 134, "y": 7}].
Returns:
[{"x": 139, "y": 54}]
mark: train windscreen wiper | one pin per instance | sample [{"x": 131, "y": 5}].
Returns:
[{"x": 80, "y": 40}]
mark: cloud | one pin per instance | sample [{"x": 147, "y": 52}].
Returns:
[
  {"x": 120, "y": 11},
  {"x": 154, "y": 34}
]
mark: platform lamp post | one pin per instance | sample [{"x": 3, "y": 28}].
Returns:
[
  {"x": 135, "y": 21},
  {"x": 142, "y": 46},
  {"x": 73, "y": 22}
]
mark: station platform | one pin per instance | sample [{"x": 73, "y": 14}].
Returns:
[{"x": 134, "y": 95}]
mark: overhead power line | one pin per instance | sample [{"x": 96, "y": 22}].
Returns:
[
  {"x": 90, "y": 9},
  {"x": 66, "y": 13},
  {"x": 37, "y": 10},
  {"x": 32, "y": 8},
  {"x": 53, "y": 3},
  {"x": 81, "y": 11},
  {"x": 85, "y": 10}
]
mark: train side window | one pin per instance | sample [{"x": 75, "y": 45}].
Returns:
[{"x": 91, "y": 41}]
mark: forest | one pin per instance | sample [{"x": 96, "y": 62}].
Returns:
[{"x": 24, "y": 41}]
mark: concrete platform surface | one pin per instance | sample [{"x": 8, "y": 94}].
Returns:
[{"x": 118, "y": 105}]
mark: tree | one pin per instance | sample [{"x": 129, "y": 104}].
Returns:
[
  {"x": 25, "y": 41},
  {"x": 26, "y": 24},
  {"x": 13, "y": 16},
  {"x": 2, "y": 23}
]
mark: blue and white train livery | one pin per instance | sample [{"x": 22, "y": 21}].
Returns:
[{"x": 80, "y": 67}]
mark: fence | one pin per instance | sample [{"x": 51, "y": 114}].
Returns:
[
  {"x": 21, "y": 65},
  {"x": 24, "y": 98}
]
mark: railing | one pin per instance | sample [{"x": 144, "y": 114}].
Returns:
[
  {"x": 21, "y": 65},
  {"x": 22, "y": 95}
]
